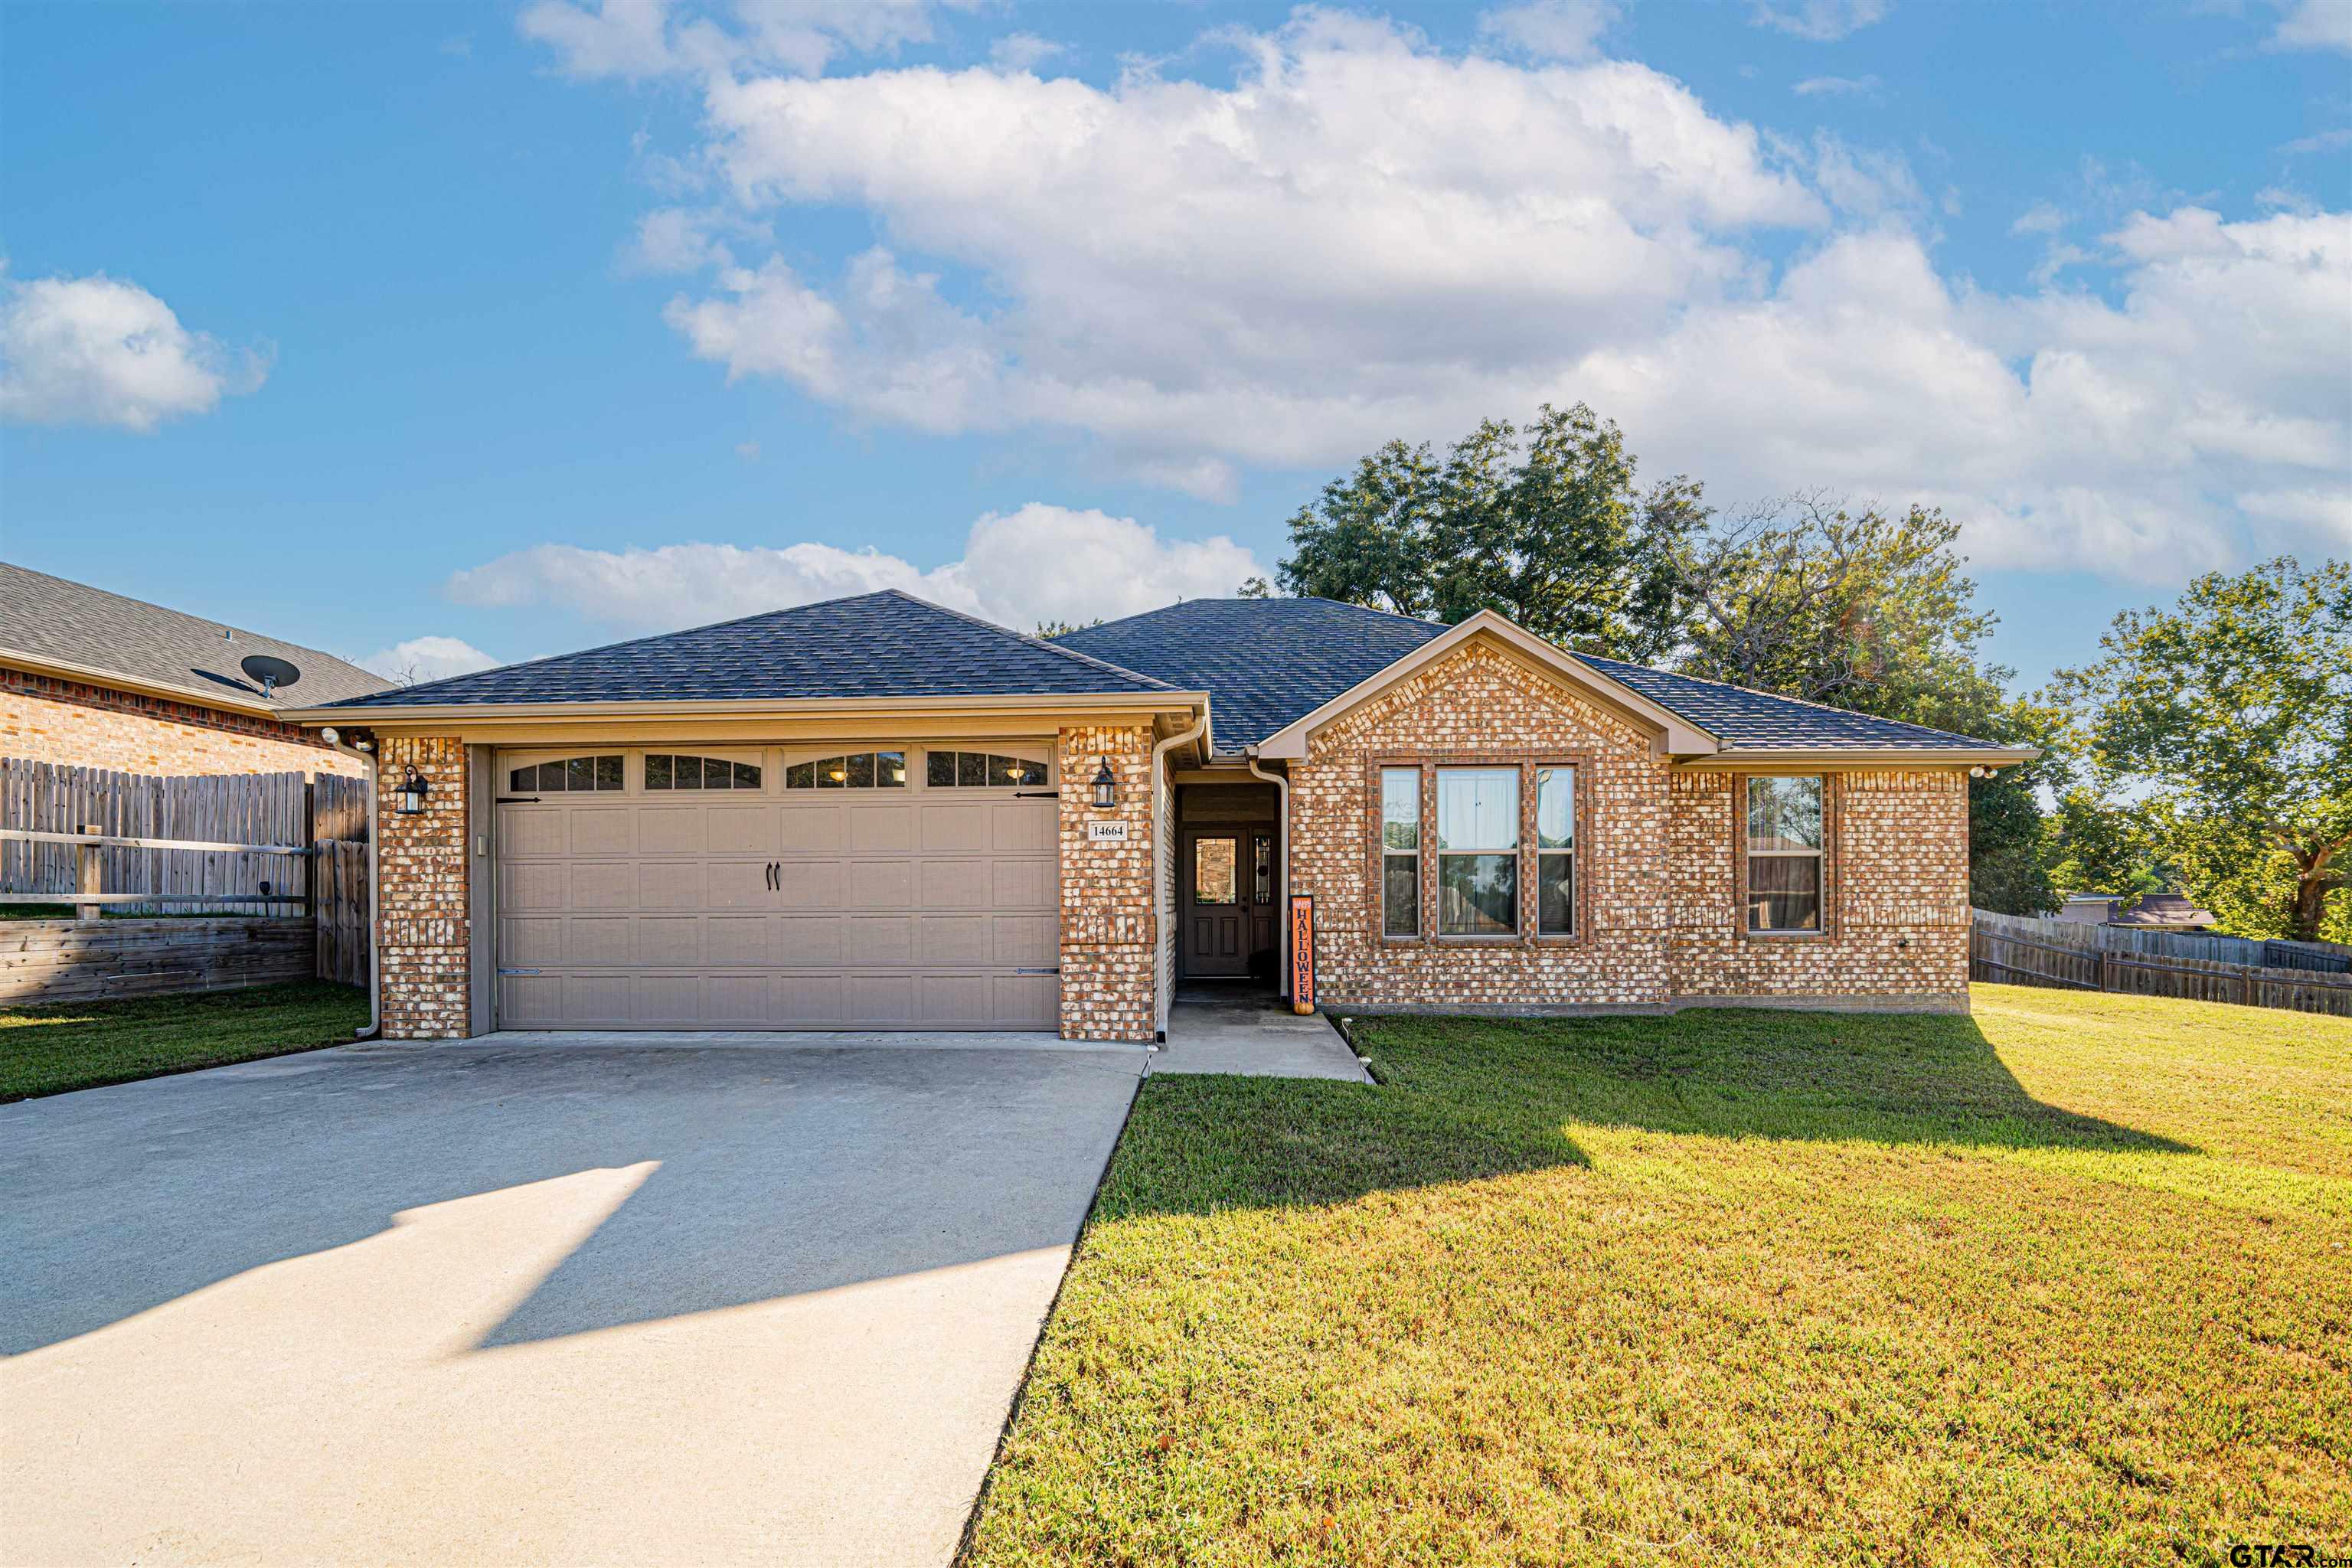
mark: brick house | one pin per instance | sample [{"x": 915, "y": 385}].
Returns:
[
  {"x": 93, "y": 680},
  {"x": 874, "y": 813}
]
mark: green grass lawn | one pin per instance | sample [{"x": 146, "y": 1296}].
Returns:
[
  {"x": 2065, "y": 1281},
  {"x": 49, "y": 1050}
]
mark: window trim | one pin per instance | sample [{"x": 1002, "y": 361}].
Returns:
[
  {"x": 735, "y": 756},
  {"x": 1827, "y": 925},
  {"x": 1017, "y": 752},
  {"x": 1377, "y": 886},
  {"x": 1582, "y": 764}
]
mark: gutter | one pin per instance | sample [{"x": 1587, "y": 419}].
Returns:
[
  {"x": 377, "y": 715},
  {"x": 1282, "y": 852},
  {"x": 1164, "y": 953},
  {"x": 365, "y": 752},
  {"x": 1743, "y": 757}
]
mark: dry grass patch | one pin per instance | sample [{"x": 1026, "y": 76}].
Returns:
[{"x": 2064, "y": 1281}]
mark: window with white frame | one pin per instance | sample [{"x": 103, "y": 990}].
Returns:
[
  {"x": 1784, "y": 853},
  {"x": 1400, "y": 851},
  {"x": 1556, "y": 851},
  {"x": 1477, "y": 851}
]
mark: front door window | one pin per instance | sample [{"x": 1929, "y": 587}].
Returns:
[{"x": 1216, "y": 871}]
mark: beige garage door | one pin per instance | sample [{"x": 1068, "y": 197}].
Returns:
[{"x": 876, "y": 887}]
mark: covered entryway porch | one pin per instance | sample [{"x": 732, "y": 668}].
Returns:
[{"x": 1229, "y": 883}]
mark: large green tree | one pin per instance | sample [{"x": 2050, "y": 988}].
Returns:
[
  {"x": 2228, "y": 717},
  {"x": 1876, "y": 613},
  {"x": 1804, "y": 598},
  {"x": 1543, "y": 523}
]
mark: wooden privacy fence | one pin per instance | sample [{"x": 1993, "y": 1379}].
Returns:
[
  {"x": 2012, "y": 950},
  {"x": 284, "y": 847}
]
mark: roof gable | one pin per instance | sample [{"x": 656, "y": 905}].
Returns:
[
  {"x": 1674, "y": 734},
  {"x": 1268, "y": 663},
  {"x": 88, "y": 631},
  {"x": 880, "y": 645}
]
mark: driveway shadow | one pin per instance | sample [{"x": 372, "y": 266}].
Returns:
[{"x": 779, "y": 1171}]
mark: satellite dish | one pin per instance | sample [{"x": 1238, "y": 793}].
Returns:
[{"x": 272, "y": 673}]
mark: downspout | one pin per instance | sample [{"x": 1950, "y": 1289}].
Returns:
[
  {"x": 1282, "y": 855},
  {"x": 365, "y": 752},
  {"x": 1162, "y": 951}
]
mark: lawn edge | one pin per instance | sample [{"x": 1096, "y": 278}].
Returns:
[{"x": 969, "y": 1535}]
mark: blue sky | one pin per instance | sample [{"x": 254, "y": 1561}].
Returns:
[{"x": 523, "y": 327}]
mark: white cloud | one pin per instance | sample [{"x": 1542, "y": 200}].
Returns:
[
  {"x": 1040, "y": 562},
  {"x": 100, "y": 351},
  {"x": 1823, "y": 21},
  {"x": 1552, "y": 29},
  {"x": 1865, "y": 181},
  {"x": 1837, "y": 86},
  {"x": 2041, "y": 218},
  {"x": 426, "y": 659},
  {"x": 1361, "y": 237},
  {"x": 1264, "y": 274},
  {"x": 2323, "y": 142},
  {"x": 636, "y": 40},
  {"x": 2314, "y": 25},
  {"x": 1023, "y": 52}
]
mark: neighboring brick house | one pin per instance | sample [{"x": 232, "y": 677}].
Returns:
[
  {"x": 874, "y": 813},
  {"x": 94, "y": 680}
]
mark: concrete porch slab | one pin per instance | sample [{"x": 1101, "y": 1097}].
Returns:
[{"x": 1252, "y": 1032}]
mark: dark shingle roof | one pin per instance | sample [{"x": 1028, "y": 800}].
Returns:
[
  {"x": 1268, "y": 662},
  {"x": 877, "y": 645},
  {"x": 1739, "y": 717},
  {"x": 1264, "y": 662},
  {"x": 73, "y": 623}
]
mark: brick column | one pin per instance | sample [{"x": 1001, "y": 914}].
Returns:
[
  {"x": 1107, "y": 926},
  {"x": 422, "y": 946}
]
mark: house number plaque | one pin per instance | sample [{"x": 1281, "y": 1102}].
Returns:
[{"x": 1106, "y": 832}]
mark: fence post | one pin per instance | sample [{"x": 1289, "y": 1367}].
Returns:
[
  {"x": 2106, "y": 969},
  {"x": 310, "y": 848},
  {"x": 87, "y": 876},
  {"x": 2253, "y": 987}
]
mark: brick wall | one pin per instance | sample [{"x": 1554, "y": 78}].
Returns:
[
  {"x": 43, "y": 719},
  {"x": 1480, "y": 703},
  {"x": 422, "y": 946},
  {"x": 1660, "y": 902},
  {"x": 1898, "y": 909},
  {"x": 1107, "y": 924}
]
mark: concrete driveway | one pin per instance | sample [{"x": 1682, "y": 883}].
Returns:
[{"x": 532, "y": 1301}]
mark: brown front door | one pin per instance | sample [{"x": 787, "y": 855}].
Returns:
[{"x": 1216, "y": 912}]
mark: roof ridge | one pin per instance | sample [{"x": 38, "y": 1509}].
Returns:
[
  {"x": 631, "y": 642},
  {"x": 1376, "y": 610},
  {"x": 189, "y": 616},
  {"x": 1046, "y": 643}
]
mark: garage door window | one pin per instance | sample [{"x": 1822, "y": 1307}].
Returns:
[
  {"x": 573, "y": 775},
  {"x": 855, "y": 769},
  {"x": 981, "y": 770},
  {"x": 666, "y": 770}
]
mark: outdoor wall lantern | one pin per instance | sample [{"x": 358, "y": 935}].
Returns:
[
  {"x": 412, "y": 792},
  {"x": 1105, "y": 787}
]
